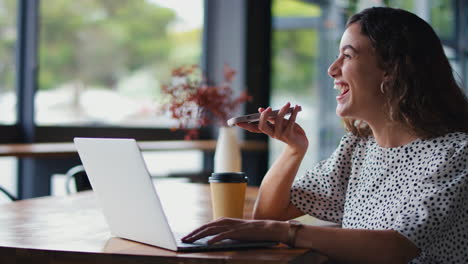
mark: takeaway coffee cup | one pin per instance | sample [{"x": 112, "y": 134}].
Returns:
[{"x": 228, "y": 194}]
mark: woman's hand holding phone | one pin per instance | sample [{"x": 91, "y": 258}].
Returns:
[
  {"x": 278, "y": 127},
  {"x": 252, "y": 118}
]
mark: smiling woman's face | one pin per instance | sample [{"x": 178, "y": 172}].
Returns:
[{"x": 357, "y": 77}]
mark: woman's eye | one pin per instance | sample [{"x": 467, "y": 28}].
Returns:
[{"x": 347, "y": 55}]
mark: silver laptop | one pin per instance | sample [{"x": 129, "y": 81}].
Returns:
[{"x": 128, "y": 199}]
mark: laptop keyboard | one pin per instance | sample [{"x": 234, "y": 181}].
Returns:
[{"x": 202, "y": 244}]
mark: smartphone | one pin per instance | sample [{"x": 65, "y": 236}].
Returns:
[{"x": 251, "y": 118}]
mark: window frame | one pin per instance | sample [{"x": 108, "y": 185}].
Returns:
[
  {"x": 34, "y": 172},
  {"x": 27, "y": 66}
]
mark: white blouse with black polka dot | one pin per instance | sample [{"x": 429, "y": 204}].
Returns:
[{"x": 419, "y": 189}]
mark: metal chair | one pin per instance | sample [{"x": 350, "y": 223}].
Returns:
[
  {"x": 78, "y": 174},
  {"x": 8, "y": 194}
]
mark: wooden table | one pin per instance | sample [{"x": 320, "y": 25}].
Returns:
[
  {"x": 39, "y": 161},
  {"x": 72, "y": 230}
]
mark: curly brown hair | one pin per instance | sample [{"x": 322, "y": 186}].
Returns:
[{"x": 421, "y": 91}]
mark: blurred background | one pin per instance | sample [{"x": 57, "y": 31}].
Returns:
[{"x": 95, "y": 67}]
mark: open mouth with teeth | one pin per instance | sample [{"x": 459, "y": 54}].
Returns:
[{"x": 343, "y": 89}]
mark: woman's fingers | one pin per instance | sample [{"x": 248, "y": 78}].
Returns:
[
  {"x": 202, "y": 227},
  {"x": 239, "y": 229},
  {"x": 207, "y": 231},
  {"x": 292, "y": 119},
  {"x": 214, "y": 227},
  {"x": 222, "y": 236},
  {"x": 245, "y": 230},
  {"x": 277, "y": 127},
  {"x": 263, "y": 124},
  {"x": 189, "y": 237},
  {"x": 279, "y": 120},
  {"x": 252, "y": 127},
  {"x": 221, "y": 229}
]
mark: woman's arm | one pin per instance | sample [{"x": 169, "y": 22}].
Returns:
[
  {"x": 273, "y": 200},
  {"x": 342, "y": 245},
  {"x": 357, "y": 245}
]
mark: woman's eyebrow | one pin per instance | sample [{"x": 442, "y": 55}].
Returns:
[{"x": 345, "y": 47}]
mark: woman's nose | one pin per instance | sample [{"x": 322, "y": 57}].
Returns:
[{"x": 333, "y": 70}]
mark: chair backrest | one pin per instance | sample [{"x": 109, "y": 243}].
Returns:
[
  {"x": 78, "y": 174},
  {"x": 8, "y": 194}
]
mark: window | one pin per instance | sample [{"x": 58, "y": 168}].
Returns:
[
  {"x": 442, "y": 18},
  {"x": 447, "y": 17},
  {"x": 301, "y": 54},
  {"x": 8, "y": 25},
  {"x": 102, "y": 62},
  {"x": 8, "y": 95}
]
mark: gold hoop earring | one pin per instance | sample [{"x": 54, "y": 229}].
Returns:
[{"x": 382, "y": 87}]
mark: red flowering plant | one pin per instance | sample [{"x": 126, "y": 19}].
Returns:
[{"x": 194, "y": 102}]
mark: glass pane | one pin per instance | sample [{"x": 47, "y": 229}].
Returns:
[
  {"x": 403, "y": 4},
  {"x": 102, "y": 61},
  {"x": 160, "y": 164},
  {"x": 465, "y": 74},
  {"x": 8, "y": 32},
  {"x": 443, "y": 18},
  {"x": 295, "y": 69},
  {"x": 464, "y": 33},
  {"x": 451, "y": 54},
  {"x": 294, "y": 8}
]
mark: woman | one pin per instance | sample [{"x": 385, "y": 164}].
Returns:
[{"x": 397, "y": 184}]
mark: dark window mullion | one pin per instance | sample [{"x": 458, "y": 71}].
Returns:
[
  {"x": 27, "y": 66},
  {"x": 461, "y": 21},
  {"x": 26, "y": 84}
]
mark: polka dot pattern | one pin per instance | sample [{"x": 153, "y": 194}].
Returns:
[{"x": 419, "y": 189}]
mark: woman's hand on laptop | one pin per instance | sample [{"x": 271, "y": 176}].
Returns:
[{"x": 240, "y": 229}]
